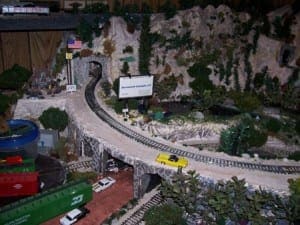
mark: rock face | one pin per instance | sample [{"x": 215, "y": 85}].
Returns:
[{"x": 210, "y": 32}]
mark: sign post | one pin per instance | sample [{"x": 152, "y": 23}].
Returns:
[{"x": 71, "y": 44}]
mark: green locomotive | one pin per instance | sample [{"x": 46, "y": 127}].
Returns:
[{"x": 39, "y": 208}]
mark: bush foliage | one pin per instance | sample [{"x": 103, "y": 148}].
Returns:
[
  {"x": 202, "y": 82},
  {"x": 166, "y": 214},
  {"x": 4, "y": 103},
  {"x": 14, "y": 78},
  {"x": 273, "y": 125},
  {"x": 54, "y": 118}
]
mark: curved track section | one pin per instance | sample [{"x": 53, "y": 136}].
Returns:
[{"x": 103, "y": 115}]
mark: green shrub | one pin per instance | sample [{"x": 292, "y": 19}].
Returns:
[
  {"x": 282, "y": 27},
  {"x": 82, "y": 175},
  {"x": 128, "y": 49},
  {"x": 258, "y": 80},
  {"x": 54, "y": 118},
  {"x": 201, "y": 74},
  {"x": 4, "y": 103},
  {"x": 118, "y": 106},
  {"x": 14, "y": 78},
  {"x": 295, "y": 156},
  {"x": 169, "y": 9},
  {"x": 246, "y": 101},
  {"x": 294, "y": 199},
  {"x": 164, "y": 88},
  {"x": 145, "y": 46},
  {"x": 166, "y": 214},
  {"x": 106, "y": 87},
  {"x": 273, "y": 125},
  {"x": 96, "y": 8},
  {"x": 125, "y": 68},
  {"x": 115, "y": 86},
  {"x": 238, "y": 138},
  {"x": 297, "y": 127},
  {"x": 60, "y": 61},
  {"x": 256, "y": 138}
]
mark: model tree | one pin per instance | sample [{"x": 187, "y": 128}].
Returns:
[{"x": 54, "y": 118}]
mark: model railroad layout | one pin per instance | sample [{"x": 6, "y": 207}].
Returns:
[{"x": 103, "y": 115}]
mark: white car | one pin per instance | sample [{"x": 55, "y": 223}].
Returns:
[
  {"x": 103, "y": 184},
  {"x": 73, "y": 216}
]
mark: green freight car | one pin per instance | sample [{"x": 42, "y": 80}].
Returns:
[
  {"x": 46, "y": 205},
  {"x": 28, "y": 165}
]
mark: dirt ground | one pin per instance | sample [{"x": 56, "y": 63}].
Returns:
[{"x": 106, "y": 202}]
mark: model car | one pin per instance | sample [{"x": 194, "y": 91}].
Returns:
[
  {"x": 171, "y": 160},
  {"x": 103, "y": 184},
  {"x": 112, "y": 166},
  {"x": 73, "y": 216}
]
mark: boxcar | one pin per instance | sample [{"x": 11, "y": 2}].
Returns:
[
  {"x": 46, "y": 205},
  {"x": 27, "y": 165},
  {"x": 18, "y": 184}
]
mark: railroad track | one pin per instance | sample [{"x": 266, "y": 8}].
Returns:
[
  {"x": 138, "y": 215},
  {"x": 72, "y": 167},
  {"x": 103, "y": 115}
]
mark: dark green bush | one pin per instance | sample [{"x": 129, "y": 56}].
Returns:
[
  {"x": 245, "y": 101},
  {"x": 54, "y": 118},
  {"x": 145, "y": 46},
  {"x": 258, "y": 80},
  {"x": 4, "y": 103},
  {"x": 96, "y": 8},
  {"x": 169, "y": 9},
  {"x": 118, "y": 105},
  {"x": 14, "y": 78},
  {"x": 165, "y": 87},
  {"x": 128, "y": 49},
  {"x": 201, "y": 74},
  {"x": 266, "y": 26},
  {"x": 166, "y": 214},
  {"x": 115, "y": 86},
  {"x": 125, "y": 68},
  {"x": 256, "y": 138},
  {"x": 282, "y": 27},
  {"x": 106, "y": 87},
  {"x": 297, "y": 127},
  {"x": 237, "y": 139},
  {"x": 295, "y": 156},
  {"x": 273, "y": 125}
]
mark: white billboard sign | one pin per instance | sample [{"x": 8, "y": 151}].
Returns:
[{"x": 135, "y": 86}]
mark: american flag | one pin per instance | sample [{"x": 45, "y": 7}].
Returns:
[{"x": 74, "y": 44}]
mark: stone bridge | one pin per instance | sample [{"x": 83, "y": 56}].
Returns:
[{"x": 99, "y": 150}]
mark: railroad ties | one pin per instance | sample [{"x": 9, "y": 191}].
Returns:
[
  {"x": 81, "y": 165},
  {"x": 138, "y": 215},
  {"x": 103, "y": 115}
]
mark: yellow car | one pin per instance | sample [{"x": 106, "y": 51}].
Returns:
[{"x": 171, "y": 160}]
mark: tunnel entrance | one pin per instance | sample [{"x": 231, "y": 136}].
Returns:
[
  {"x": 114, "y": 165},
  {"x": 95, "y": 69},
  {"x": 149, "y": 182}
]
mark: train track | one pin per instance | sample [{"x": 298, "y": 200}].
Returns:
[
  {"x": 138, "y": 215},
  {"x": 103, "y": 115},
  {"x": 73, "y": 167}
]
